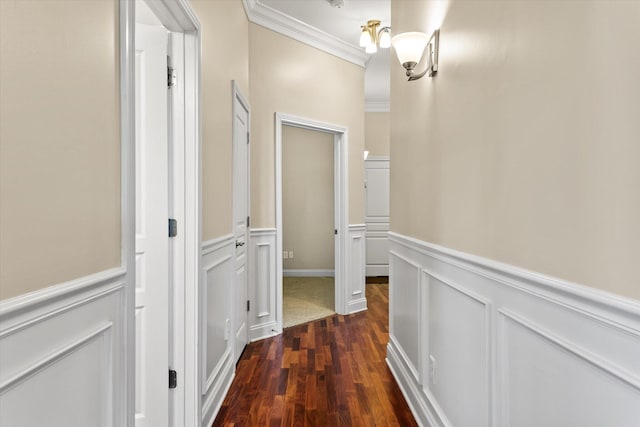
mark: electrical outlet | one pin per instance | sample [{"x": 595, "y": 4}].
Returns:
[
  {"x": 290, "y": 254},
  {"x": 285, "y": 255},
  {"x": 432, "y": 369}
]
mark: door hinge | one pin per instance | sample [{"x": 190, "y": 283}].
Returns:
[
  {"x": 248, "y": 137},
  {"x": 173, "y": 227},
  {"x": 173, "y": 379},
  {"x": 248, "y": 221},
  {"x": 171, "y": 77},
  {"x": 248, "y": 305},
  {"x": 335, "y": 231}
]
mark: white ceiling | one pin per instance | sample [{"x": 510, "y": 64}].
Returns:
[{"x": 344, "y": 23}]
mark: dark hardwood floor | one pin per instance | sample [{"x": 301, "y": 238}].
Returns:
[{"x": 329, "y": 372}]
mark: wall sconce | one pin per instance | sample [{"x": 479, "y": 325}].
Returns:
[
  {"x": 410, "y": 48},
  {"x": 371, "y": 38}
]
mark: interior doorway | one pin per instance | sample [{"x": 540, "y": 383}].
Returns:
[
  {"x": 308, "y": 219},
  {"x": 339, "y": 134},
  {"x": 159, "y": 88}
]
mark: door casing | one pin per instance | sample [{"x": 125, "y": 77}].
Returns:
[
  {"x": 340, "y": 134},
  {"x": 185, "y": 131}
]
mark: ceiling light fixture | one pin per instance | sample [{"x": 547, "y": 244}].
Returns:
[
  {"x": 410, "y": 48},
  {"x": 371, "y": 38},
  {"x": 336, "y": 3}
]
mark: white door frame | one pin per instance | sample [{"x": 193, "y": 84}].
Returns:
[
  {"x": 185, "y": 132},
  {"x": 341, "y": 206}
]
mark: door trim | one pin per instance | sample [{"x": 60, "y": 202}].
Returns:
[
  {"x": 341, "y": 192},
  {"x": 178, "y": 17}
]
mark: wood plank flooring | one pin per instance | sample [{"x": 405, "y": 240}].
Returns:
[{"x": 329, "y": 372}]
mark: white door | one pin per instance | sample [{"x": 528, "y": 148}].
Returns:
[
  {"x": 240, "y": 221},
  {"x": 152, "y": 246},
  {"x": 377, "y": 216}
]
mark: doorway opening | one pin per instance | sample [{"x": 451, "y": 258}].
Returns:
[
  {"x": 161, "y": 182},
  {"x": 308, "y": 219},
  {"x": 339, "y": 134}
]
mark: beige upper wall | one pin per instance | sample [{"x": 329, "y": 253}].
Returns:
[
  {"x": 290, "y": 77},
  {"x": 225, "y": 57},
  {"x": 524, "y": 148},
  {"x": 59, "y": 142},
  {"x": 307, "y": 199},
  {"x": 377, "y": 133}
]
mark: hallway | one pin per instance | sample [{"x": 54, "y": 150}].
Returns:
[{"x": 330, "y": 372}]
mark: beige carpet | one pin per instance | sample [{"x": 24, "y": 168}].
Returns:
[{"x": 306, "y": 299}]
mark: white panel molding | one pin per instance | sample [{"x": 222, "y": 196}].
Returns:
[
  {"x": 308, "y": 273},
  {"x": 377, "y": 106},
  {"x": 355, "y": 269},
  {"x": 263, "y": 316},
  {"x": 52, "y": 358},
  {"x": 596, "y": 361},
  {"x": 217, "y": 256},
  {"x": 39, "y": 332},
  {"x": 600, "y": 331},
  {"x": 219, "y": 263},
  {"x": 270, "y": 18},
  {"x": 411, "y": 366}
]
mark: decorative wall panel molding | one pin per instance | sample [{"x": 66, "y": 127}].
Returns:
[
  {"x": 519, "y": 348},
  {"x": 263, "y": 316},
  {"x": 217, "y": 366},
  {"x": 71, "y": 334},
  {"x": 355, "y": 269}
]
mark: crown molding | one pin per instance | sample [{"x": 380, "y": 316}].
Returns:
[
  {"x": 377, "y": 107},
  {"x": 270, "y": 18}
]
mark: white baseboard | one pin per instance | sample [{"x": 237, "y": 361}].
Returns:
[
  {"x": 215, "y": 396},
  {"x": 355, "y": 269},
  {"x": 357, "y": 305},
  {"x": 377, "y": 270},
  {"x": 519, "y": 348},
  {"x": 308, "y": 273}
]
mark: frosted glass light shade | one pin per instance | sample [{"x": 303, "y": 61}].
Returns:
[
  {"x": 371, "y": 48},
  {"x": 365, "y": 38},
  {"x": 385, "y": 39},
  {"x": 410, "y": 46}
]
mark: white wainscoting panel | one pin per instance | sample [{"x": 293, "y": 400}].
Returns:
[
  {"x": 61, "y": 354},
  {"x": 477, "y": 343},
  {"x": 263, "y": 316},
  {"x": 355, "y": 269},
  {"x": 217, "y": 311},
  {"x": 377, "y": 215}
]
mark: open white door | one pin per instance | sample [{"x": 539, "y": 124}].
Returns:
[
  {"x": 240, "y": 218},
  {"x": 152, "y": 246}
]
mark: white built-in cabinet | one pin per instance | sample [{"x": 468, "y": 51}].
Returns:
[{"x": 377, "y": 215}]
